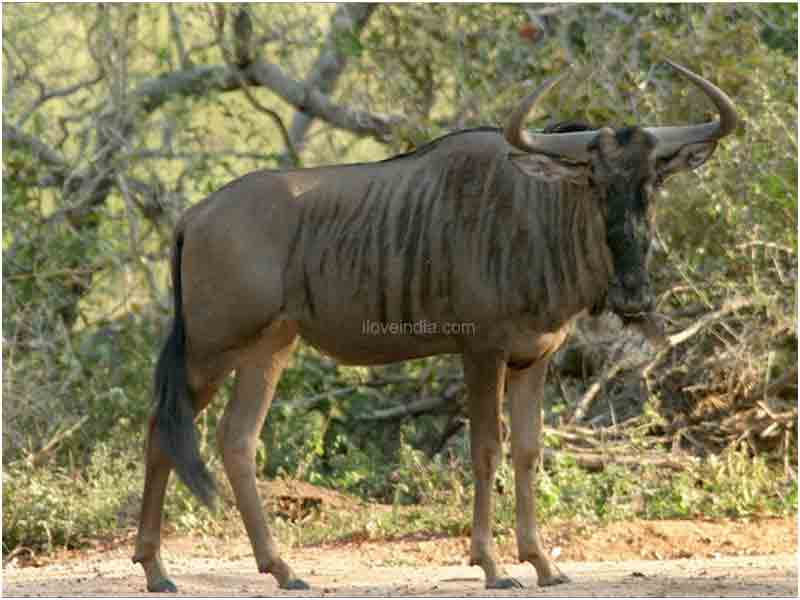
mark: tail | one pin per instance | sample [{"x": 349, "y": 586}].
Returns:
[{"x": 174, "y": 420}]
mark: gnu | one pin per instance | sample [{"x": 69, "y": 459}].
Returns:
[{"x": 512, "y": 231}]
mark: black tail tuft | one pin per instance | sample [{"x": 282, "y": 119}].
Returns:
[{"x": 174, "y": 424}]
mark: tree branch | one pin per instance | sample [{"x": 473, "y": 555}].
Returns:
[
  {"x": 647, "y": 363},
  {"x": 347, "y": 19},
  {"x": 310, "y": 100},
  {"x": 14, "y": 137},
  {"x": 243, "y": 28},
  {"x": 38, "y": 457},
  {"x": 195, "y": 81},
  {"x": 423, "y": 405},
  {"x": 597, "y": 461},
  {"x": 175, "y": 26},
  {"x": 46, "y": 96},
  {"x": 200, "y": 80}
]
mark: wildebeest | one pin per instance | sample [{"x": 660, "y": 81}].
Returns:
[{"x": 511, "y": 231}]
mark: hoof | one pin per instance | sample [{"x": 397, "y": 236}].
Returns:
[
  {"x": 503, "y": 583},
  {"x": 296, "y": 584},
  {"x": 161, "y": 586},
  {"x": 553, "y": 580}
]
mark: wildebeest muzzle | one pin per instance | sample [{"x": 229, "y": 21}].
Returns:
[
  {"x": 630, "y": 297},
  {"x": 633, "y": 301}
]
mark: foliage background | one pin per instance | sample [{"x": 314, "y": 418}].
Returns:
[{"x": 117, "y": 117}]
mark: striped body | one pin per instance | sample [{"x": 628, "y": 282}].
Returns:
[{"x": 452, "y": 233}]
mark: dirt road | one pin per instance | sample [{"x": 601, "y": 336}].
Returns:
[
  {"x": 754, "y": 557},
  {"x": 349, "y": 571}
]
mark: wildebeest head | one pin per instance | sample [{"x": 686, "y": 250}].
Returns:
[{"x": 624, "y": 167}]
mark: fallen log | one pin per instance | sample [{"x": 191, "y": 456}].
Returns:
[
  {"x": 38, "y": 457},
  {"x": 597, "y": 461}
]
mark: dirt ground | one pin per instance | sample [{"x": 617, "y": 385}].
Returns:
[{"x": 755, "y": 558}]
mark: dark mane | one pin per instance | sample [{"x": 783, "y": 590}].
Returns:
[
  {"x": 561, "y": 127},
  {"x": 569, "y": 127},
  {"x": 424, "y": 149}
]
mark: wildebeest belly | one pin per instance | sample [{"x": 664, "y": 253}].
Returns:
[
  {"x": 367, "y": 342},
  {"x": 366, "y": 316}
]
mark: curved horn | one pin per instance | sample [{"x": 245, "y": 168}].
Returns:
[
  {"x": 671, "y": 139},
  {"x": 568, "y": 145}
]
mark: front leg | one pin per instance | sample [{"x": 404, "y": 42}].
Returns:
[
  {"x": 525, "y": 390},
  {"x": 485, "y": 377}
]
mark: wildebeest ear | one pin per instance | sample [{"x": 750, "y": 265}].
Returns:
[
  {"x": 549, "y": 168},
  {"x": 687, "y": 158}
]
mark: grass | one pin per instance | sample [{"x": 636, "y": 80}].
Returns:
[
  {"x": 45, "y": 508},
  {"x": 732, "y": 485}
]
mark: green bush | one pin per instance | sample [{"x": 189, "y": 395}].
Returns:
[{"x": 58, "y": 506}]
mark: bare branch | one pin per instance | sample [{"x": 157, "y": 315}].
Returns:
[
  {"x": 647, "y": 363},
  {"x": 133, "y": 239},
  {"x": 242, "y": 37},
  {"x": 157, "y": 153},
  {"x": 597, "y": 461},
  {"x": 331, "y": 61},
  {"x": 61, "y": 174},
  {"x": 177, "y": 36},
  {"x": 548, "y": 10},
  {"x": 196, "y": 81},
  {"x": 423, "y": 405},
  {"x": 754, "y": 9},
  {"x": 14, "y": 137},
  {"x": 59, "y": 93},
  {"x": 312, "y": 101},
  {"x": 312, "y": 401},
  {"x": 37, "y": 458},
  {"x": 8, "y": 84},
  {"x": 774, "y": 388},
  {"x": 607, "y": 375},
  {"x": 765, "y": 244},
  {"x": 728, "y": 307},
  {"x": 244, "y": 28},
  {"x": 616, "y": 13}
]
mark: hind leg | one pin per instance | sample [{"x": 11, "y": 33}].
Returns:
[
  {"x": 237, "y": 435},
  {"x": 156, "y": 477}
]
